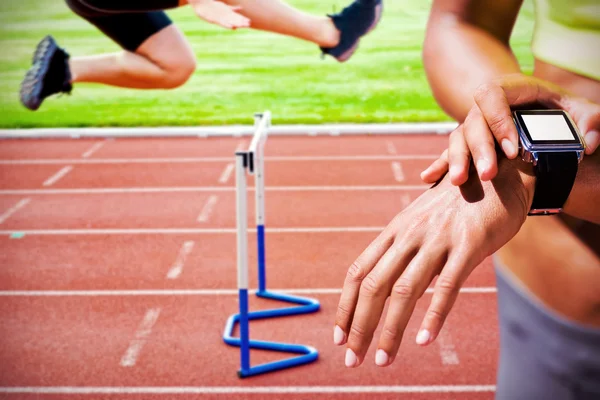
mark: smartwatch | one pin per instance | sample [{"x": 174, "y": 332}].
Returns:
[{"x": 551, "y": 142}]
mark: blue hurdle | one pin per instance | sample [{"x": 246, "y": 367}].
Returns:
[{"x": 251, "y": 161}]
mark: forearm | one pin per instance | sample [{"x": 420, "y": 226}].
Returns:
[
  {"x": 585, "y": 195},
  {"x": 470, "y": 57}
]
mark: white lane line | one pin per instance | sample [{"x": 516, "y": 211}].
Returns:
[
  {"x": 54, "y": 178},
  {"x": 226, "y": 174},
  {"x": 419, "y": 128},
  {"x": 276, "y": 390},
  {"x": 241, "y": 146},
  {"x": 217, "y": 159},
  {"x": 141, "y": 335},
  {"x": 208, "y": 208},
  {"x": 92, "y": 150},
  {"x": 195, "y": 292},
  {"x": 195, "y": 231},
  {"x": 6, "y": 215},
  {"x": 398, "y": 171},
  {"x": 391, "y": 149},
  {"x": 177, "y": 267},
  {"x": 193, "y": 189},
  {"x": 447, "y": 349}
]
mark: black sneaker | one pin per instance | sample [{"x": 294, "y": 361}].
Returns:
[
  {"x": 49, "y": 74},
  {"x": 354, "y": 22}
]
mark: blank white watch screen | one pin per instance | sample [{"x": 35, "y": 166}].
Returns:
[{"x": 547, "y": 127}]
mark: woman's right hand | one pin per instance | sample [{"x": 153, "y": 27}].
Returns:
[
  {"x": 490, "y": 120},
  {"x": 219, "y": 13}
]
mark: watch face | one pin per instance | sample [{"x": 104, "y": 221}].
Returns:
[{"x": 547, "y": 127}]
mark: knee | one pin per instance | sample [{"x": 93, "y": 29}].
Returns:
[{"x": 178, "y": 71}]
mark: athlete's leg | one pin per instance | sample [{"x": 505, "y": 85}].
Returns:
[
  {"x": 165, "y": 60},
  {"x": 279, "y": 17},
  {"x": 337, "y": 35},
  {"x": 155, "y": 56}
]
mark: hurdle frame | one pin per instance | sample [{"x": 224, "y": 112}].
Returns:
[{"x": 251, "y": 162}]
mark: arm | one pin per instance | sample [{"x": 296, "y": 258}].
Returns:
[
  {"x": 470, "y": 38},
  {"x": 585, "y": 195}
]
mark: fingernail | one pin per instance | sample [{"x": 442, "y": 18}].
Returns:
[
  {"x": 423, "y": 337},
  {"x": 592, "y": 139},
  {"x": 455, "y": 171},
  {"x": 351, "y": 359},
  {"x": 508, "y": 147},
  {"x": 381, "y": 358},
  {"x": 339, "y": 337},
  {"x": 482, "y": 166}
]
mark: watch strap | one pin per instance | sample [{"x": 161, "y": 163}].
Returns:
[{"x": 555, "y": 173}]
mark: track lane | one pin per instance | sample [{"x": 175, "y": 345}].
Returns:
[
  {"x": 319, "y": 209},
  {"x": 195, "y": 174},
  {"x": 55, "y": 350},
  {"x": 190, "y": 147},
  {"x": 80, "y": 341},
  {"x": 134, "y": 262}
]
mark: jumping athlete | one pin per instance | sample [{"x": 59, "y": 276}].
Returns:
[{"x": 156, "y": 54}]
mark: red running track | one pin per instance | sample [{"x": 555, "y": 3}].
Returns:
[{"x": 118, "y": 270}]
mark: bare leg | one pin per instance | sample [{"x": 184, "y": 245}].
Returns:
[
  {"x": 165, "y": 60},
  {"x": 279, "y": 17}
]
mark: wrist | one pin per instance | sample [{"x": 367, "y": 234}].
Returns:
[{"x": 521, "y": 176}]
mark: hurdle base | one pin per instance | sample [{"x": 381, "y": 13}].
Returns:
[
  {"x": 311, "y": 356},
  {"x": 307, "y": 355}
]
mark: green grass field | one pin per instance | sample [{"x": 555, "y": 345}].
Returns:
[{"x": 238, "y": 72}]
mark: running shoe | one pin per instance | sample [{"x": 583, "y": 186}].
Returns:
[
  {"x": 49, "y": 74},
  {"x": 354, "y": 22}
]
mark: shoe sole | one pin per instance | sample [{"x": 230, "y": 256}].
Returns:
[
  {"x": 31, "y": 98},
  {"x": 42, "y": 47},
  {"x": 350, "y": 52}
]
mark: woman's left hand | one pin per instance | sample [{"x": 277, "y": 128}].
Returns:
[{"x": 447, "y": 231}]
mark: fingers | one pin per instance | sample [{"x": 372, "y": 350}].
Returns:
[
  {"x": 494, "y": 107},
  {"x": 445, "y": 293},
  {"x": 436, "y": 170},
  {"x": 374, "y": 291},
  {"x": 459, "y": 157},
  {"x": 235, "y": 21},
  {"x": 354, "y": 277},
  {"x": 481, "y": 145},
  {"x": 223, "y": 15},
  {"x": 405, "y": 293}
]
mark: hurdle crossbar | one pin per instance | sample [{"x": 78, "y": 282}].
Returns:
[{"x": 251, "y": 162}]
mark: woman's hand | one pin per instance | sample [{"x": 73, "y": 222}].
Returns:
[
  {"x": 219, "y": 13},
  {"x": 447, "y": 231},
  {"x": 490, "y": 121}
]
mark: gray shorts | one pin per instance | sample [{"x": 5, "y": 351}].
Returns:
[{"x": 542, "y": 354}]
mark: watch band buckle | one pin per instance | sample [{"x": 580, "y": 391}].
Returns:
[{"x": 545, "y": 211}]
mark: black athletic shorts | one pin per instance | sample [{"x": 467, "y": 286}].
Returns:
[{"x": 128, "y": 22}]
